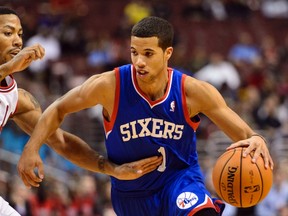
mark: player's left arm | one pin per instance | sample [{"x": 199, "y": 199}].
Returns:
[{"x": 204, "y": 98}]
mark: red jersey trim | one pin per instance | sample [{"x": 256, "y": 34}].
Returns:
[
  {"x": 194, "y": 125},
  {"x": 140, "y": 92},
  {"x": 206, "y": 204},
  {"x": 108, "y": 125},
  {"x": 8, "y": 88}
]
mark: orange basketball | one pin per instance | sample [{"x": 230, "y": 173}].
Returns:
[{"x": 240, "y": 182}]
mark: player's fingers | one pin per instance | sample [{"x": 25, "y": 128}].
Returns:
[
  {"x": 24, "y": 180},
  {"x": 156, "y": 162},
  {"x": 271, "y": 162},
  {"x": 151, "y": 167},
  {"x": 40, "y": 171},
  {"x": 268, "y": 162},
  {"x": 29, "y": 178},
  {"x": 148, "y": 170},
  {"x": 256, "y": 155},
  {"x": 33, "y": 180},
  {"x": 39, "y": 52},
  {"x": 147, "y": 160},
  {"x": 42, "y": 51},
  {"x": 242, "y": 143}
]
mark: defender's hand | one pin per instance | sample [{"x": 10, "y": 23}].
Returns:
[
  {"x": 24, "y": 58},
  {"x": 30, "y": 161},
  {"x": 136, "y": 169}
]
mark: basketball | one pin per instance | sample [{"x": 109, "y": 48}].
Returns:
[{"x": 238, "y": 181}]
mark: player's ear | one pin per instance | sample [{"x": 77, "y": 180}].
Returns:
[{"x": 168, "y": 52}]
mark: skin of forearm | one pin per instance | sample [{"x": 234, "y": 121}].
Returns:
[
  {"x": 80, "y": 153},
  {"x": 5, "y": 70}
]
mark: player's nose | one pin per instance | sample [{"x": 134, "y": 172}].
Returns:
[
  {"x": 17, "y": 41},
  {"x": 140, "y": 62}
]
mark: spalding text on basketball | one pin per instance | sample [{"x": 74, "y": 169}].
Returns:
[
  {"x": 151, "y": 127},
  {"x": 230, "y": 183}
]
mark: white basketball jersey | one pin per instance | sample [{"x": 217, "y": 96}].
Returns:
[{"x": 8, "y": 100}]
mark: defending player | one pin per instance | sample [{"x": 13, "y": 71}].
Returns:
[{"x": 149, "y": 108}]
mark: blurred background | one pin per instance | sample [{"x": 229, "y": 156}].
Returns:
[{"x": 239, "y": 46}]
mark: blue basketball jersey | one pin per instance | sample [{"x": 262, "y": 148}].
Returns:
[{"x": 140, "y": 128}]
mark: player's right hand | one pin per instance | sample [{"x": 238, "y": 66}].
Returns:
[
  {"x": 29, "y": 161},
  {"x": 24, "y": 58},
  {"x": 136, "y": 169}
]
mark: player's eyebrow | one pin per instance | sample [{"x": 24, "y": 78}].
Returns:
[
  {"x": 11, "y": 27},
  {"x": 148, "y": 49},
  {"x": 145, "y": 50}
]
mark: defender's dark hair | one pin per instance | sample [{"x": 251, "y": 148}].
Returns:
[
  {"x": 6, "y": 10},
  {"x": 155, "y": 27}
]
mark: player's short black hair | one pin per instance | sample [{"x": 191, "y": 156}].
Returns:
[
  {"x": 155, "y": 27},
  {"x": 6, "y": 10}
]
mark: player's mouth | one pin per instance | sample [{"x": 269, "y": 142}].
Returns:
[
  {"x": 14, "y": 52},
  {"x": 141, "y": 72}
]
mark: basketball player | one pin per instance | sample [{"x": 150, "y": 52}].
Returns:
[
  {"x": 149, "y": 108},
  {"x": 21, "y": 106}
]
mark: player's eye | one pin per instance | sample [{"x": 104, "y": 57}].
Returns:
[
  {"x": 7, "y": 34},
  {"x": 148, "y": 54},
  {"x": 133, "y": 52}
]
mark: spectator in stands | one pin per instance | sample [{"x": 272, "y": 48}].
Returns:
[
  {"x": 40, "y": 70},
  {"x": 266, "y": 114},
  {"x": 19, "y": 197},
  {"x": 196, "y": 10},
  {"x": 237, "y": 9},
  {"x": 160, "y": 8},
  {"x": 137, "y": 10},
  {"x": 274, "y": 8},
  {"x": 270, "y": 54},
  {"x": 244, "y": 51},
  {"x": 283, "y": 52},
  {"x": 219, "y": 73},
  {"x": 85, "y": 197}
]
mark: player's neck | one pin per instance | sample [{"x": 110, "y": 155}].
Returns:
[
  {"x": 3, "y": 83},
  {"x": 156, "y": 89}
]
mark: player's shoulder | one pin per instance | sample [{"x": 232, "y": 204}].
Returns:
[
  {"x": 198, "y": 89},
  {"x": 196, "y": 84},
  {"x": 104, "y": 78},
  {"x": 26, "y": 101}
]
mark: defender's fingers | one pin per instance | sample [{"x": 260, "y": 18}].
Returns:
[
  {"x": 24, "y": 180},
  {"x": 154, "y": 163},
  {"x": 40, "y": 171},
  {"x": 149, "y": 160}
]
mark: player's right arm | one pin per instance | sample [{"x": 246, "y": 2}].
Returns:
[
  {"x": 92, "y": 92},
  {"x": 70, "y": 146}
]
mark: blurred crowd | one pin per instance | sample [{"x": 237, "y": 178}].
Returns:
[{"x": 240, "y": 47}]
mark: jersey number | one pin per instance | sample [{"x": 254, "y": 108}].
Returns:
[{"x": 162, "y": 167}]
